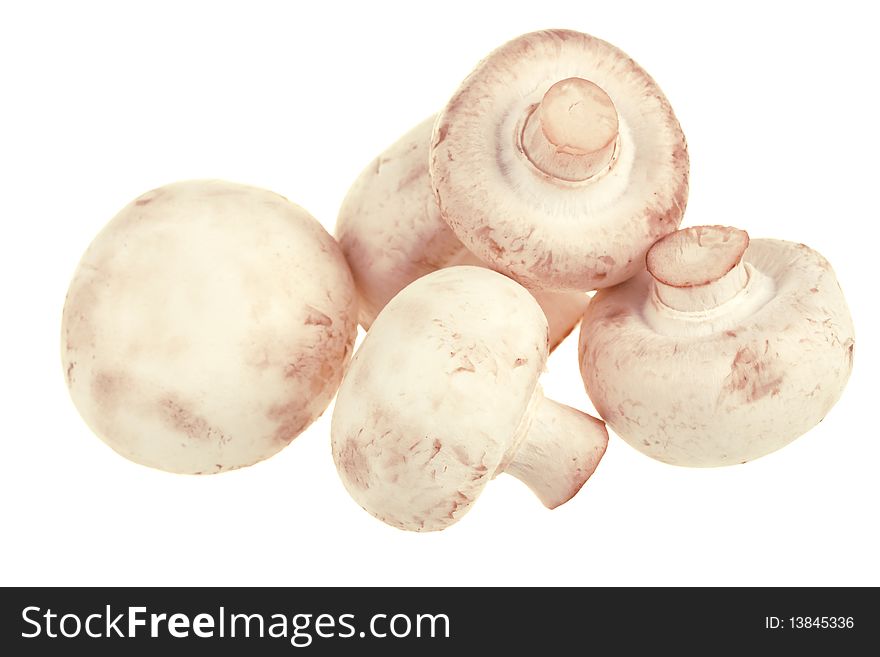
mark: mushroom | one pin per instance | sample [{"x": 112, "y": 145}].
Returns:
[
  {"x": 726, "y": 350},
  {"x": 443, "y": 395},
  {"x": 559, "y": 161},
  {"x": 206, "y": 326},
  {"x": 391, "y": 233}
]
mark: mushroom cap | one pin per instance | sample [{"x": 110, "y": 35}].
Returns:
[
  {"x": 206, "y": 326},
  {"x": 725, "y": 385},
  {"x": 431, "y": 406},
  {"x": 389, "y": 226},
  {"x": 545, "y": 232},
  {"x": 391, "y": 232}
]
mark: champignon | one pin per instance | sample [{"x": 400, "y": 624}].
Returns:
[
  {"x": 726, "y": 350},
  {"x": 559, "y": 161},
  {"x": 206, "y": 326},
  {"x": 443, "y": 395},
  {"x": 391, "y": 233}
]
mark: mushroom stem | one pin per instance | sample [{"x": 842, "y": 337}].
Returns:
[
  {"x": 572, "y": 133},
  {"x": 561, "y": 449},
  {"x": 699, "y": 268},
  {"x": 704, "y": 297}
]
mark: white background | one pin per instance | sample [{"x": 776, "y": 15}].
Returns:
[{"x": 101, "y": 102}]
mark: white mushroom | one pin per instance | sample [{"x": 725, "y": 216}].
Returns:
[
  {"x": 443, "y": 395},
  {"x": 206, "y": 326},
  {"x": 391, "y": 233},
  {"x": 732, "y": 350},
  {"x": 559, "y": 161}
]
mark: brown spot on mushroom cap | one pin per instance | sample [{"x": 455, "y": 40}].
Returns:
[
  {"x": 290, "y": 429},
  {"x": 460, "y": 454},
  {"x": 616, "y": 315},
  {"x": 849, "y": 345},
  {"x": 696, "y": 256},
  {"x": 354, "y": 464},
  {"x": 107, "y": 388},
  {"x": 416, "y": 174},
  {"x": 464, "y": 365},
  {"x": 440, "y": 133},
  {"x": 292, "y": 417},
  {"x": 754, "y": 373},
  {"x": 544, "y": 265},
  {"x": 149, "y": 197},
  {"x": 457, "y": 502},
  {"x": 664, "y": 218},
  {"x": 315, "y": 317},
  {"x": 80, "y": 305},
  {"x": 184, "y": 420},
  {"x": 485, "y": 232}
]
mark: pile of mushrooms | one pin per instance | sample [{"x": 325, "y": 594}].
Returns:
[{"x": 210, "y": 323}]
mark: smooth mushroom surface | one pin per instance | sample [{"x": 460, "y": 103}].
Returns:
[
  {"x": 725, "y": 350},
  {"x": 391, "y": 233},
  {"x": 206, "y": 326},
  {"x": 559, "y": 162},
  {"x": 443, "y": 395}
]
